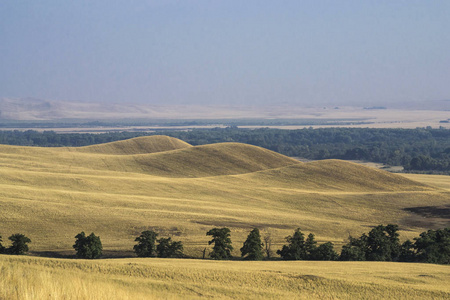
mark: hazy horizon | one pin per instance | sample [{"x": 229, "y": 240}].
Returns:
[{"x": 362, "y": 53}]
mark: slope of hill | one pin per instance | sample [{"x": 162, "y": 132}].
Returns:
[
  {"x": 338, "y": 175},
  {"x": 51, "y": 194}
]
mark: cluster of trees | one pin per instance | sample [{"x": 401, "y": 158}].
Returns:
[
  {"x": 417, "y": 150},
  {"x": 88, "y": 246},
  {"x": 166, "y": 248},
  {"x": 380, "y": 244},
  {"x": 53, "y": 139},
  {"x": 19, "y": 245},
  {"x": 300, "y": 249}
]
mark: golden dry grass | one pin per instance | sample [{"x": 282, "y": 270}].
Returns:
[
  {"x": 51, "y": 194},
  {"x": 43, "y": 278},
  {"x": 438, "y": 181},
  {"x": 119, "y": 189},
  {"x": 139, "y": 145}
]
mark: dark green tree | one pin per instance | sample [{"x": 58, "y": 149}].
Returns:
[
  {"x": 252, "y": 248},
  {"x": 19, "y": 244},
  {"x": 146, "y": 244},
  {"x": 433, "y": 246},
  {"x": 310, "y": 246},
  {"x": 89, "y": 247},
  {"x": 383, "y": 243},
  {"x": 355, "y": 249},
  {"x": 222, "y": 243},
  {"x": 168, "y": 248},
  {"x": 324, "y": 252},
  {"x": 407, "y": 252},
  {"x": 295, "y": 250}
]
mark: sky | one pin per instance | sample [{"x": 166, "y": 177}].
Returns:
[{"x": 251, "y": 52}]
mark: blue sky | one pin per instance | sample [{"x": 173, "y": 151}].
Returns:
[{"x": 226, "y": 52}]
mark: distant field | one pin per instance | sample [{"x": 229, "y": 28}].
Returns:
[
  {"x": 153, "y": 278},
  {"x": 97, "y": 118},
  {"x": 119, "y": 189}
]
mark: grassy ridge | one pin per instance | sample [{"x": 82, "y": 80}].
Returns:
[
  {"x": 41, "y": 278},
  {"x": 139, "y": 145},
  {"x": 200, "y": 161},
  {"x": 51, "y": 194}
]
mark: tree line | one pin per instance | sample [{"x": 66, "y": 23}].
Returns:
[
  {"x": 380, "y": 244},
  {"x": 417, "y": 150}
]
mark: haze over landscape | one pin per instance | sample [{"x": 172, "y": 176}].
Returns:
[{"x": 292, "y": 53}]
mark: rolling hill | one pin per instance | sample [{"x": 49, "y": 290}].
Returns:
[
  {"x": 139, "y": 145},
  {"x": 119, "y": 189}
]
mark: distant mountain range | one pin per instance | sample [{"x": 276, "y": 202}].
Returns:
[
  {"x": 38, "y": 109},
  {"x": 33, "y": 109}
]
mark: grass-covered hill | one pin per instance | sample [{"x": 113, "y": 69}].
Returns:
[
  {"x": 139, "y": 145},
  {"x": 119, "y": 189}
]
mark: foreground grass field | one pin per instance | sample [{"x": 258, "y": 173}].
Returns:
[
  {"x": 119, "y": 189},
  {"x": 45, "y": 278}
]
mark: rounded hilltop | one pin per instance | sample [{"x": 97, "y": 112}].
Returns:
[{"x": 139, "y": 145}]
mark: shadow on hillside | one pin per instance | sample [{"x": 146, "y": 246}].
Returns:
[
  {"x": 432, "y": 217},
  {"x": 244, "y": 224}
]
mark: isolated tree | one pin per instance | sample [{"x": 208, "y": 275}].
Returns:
[
  {"x": 89, "y": 247},
  {"x": 295, "y": 250},
  {"x": 168, "y": 248},
  {"x": 146, "y": 244},
  {"x": 222, "y": 243},
  {"x": 19, "y": 244},
  {"x": 252, "y": 248}
]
